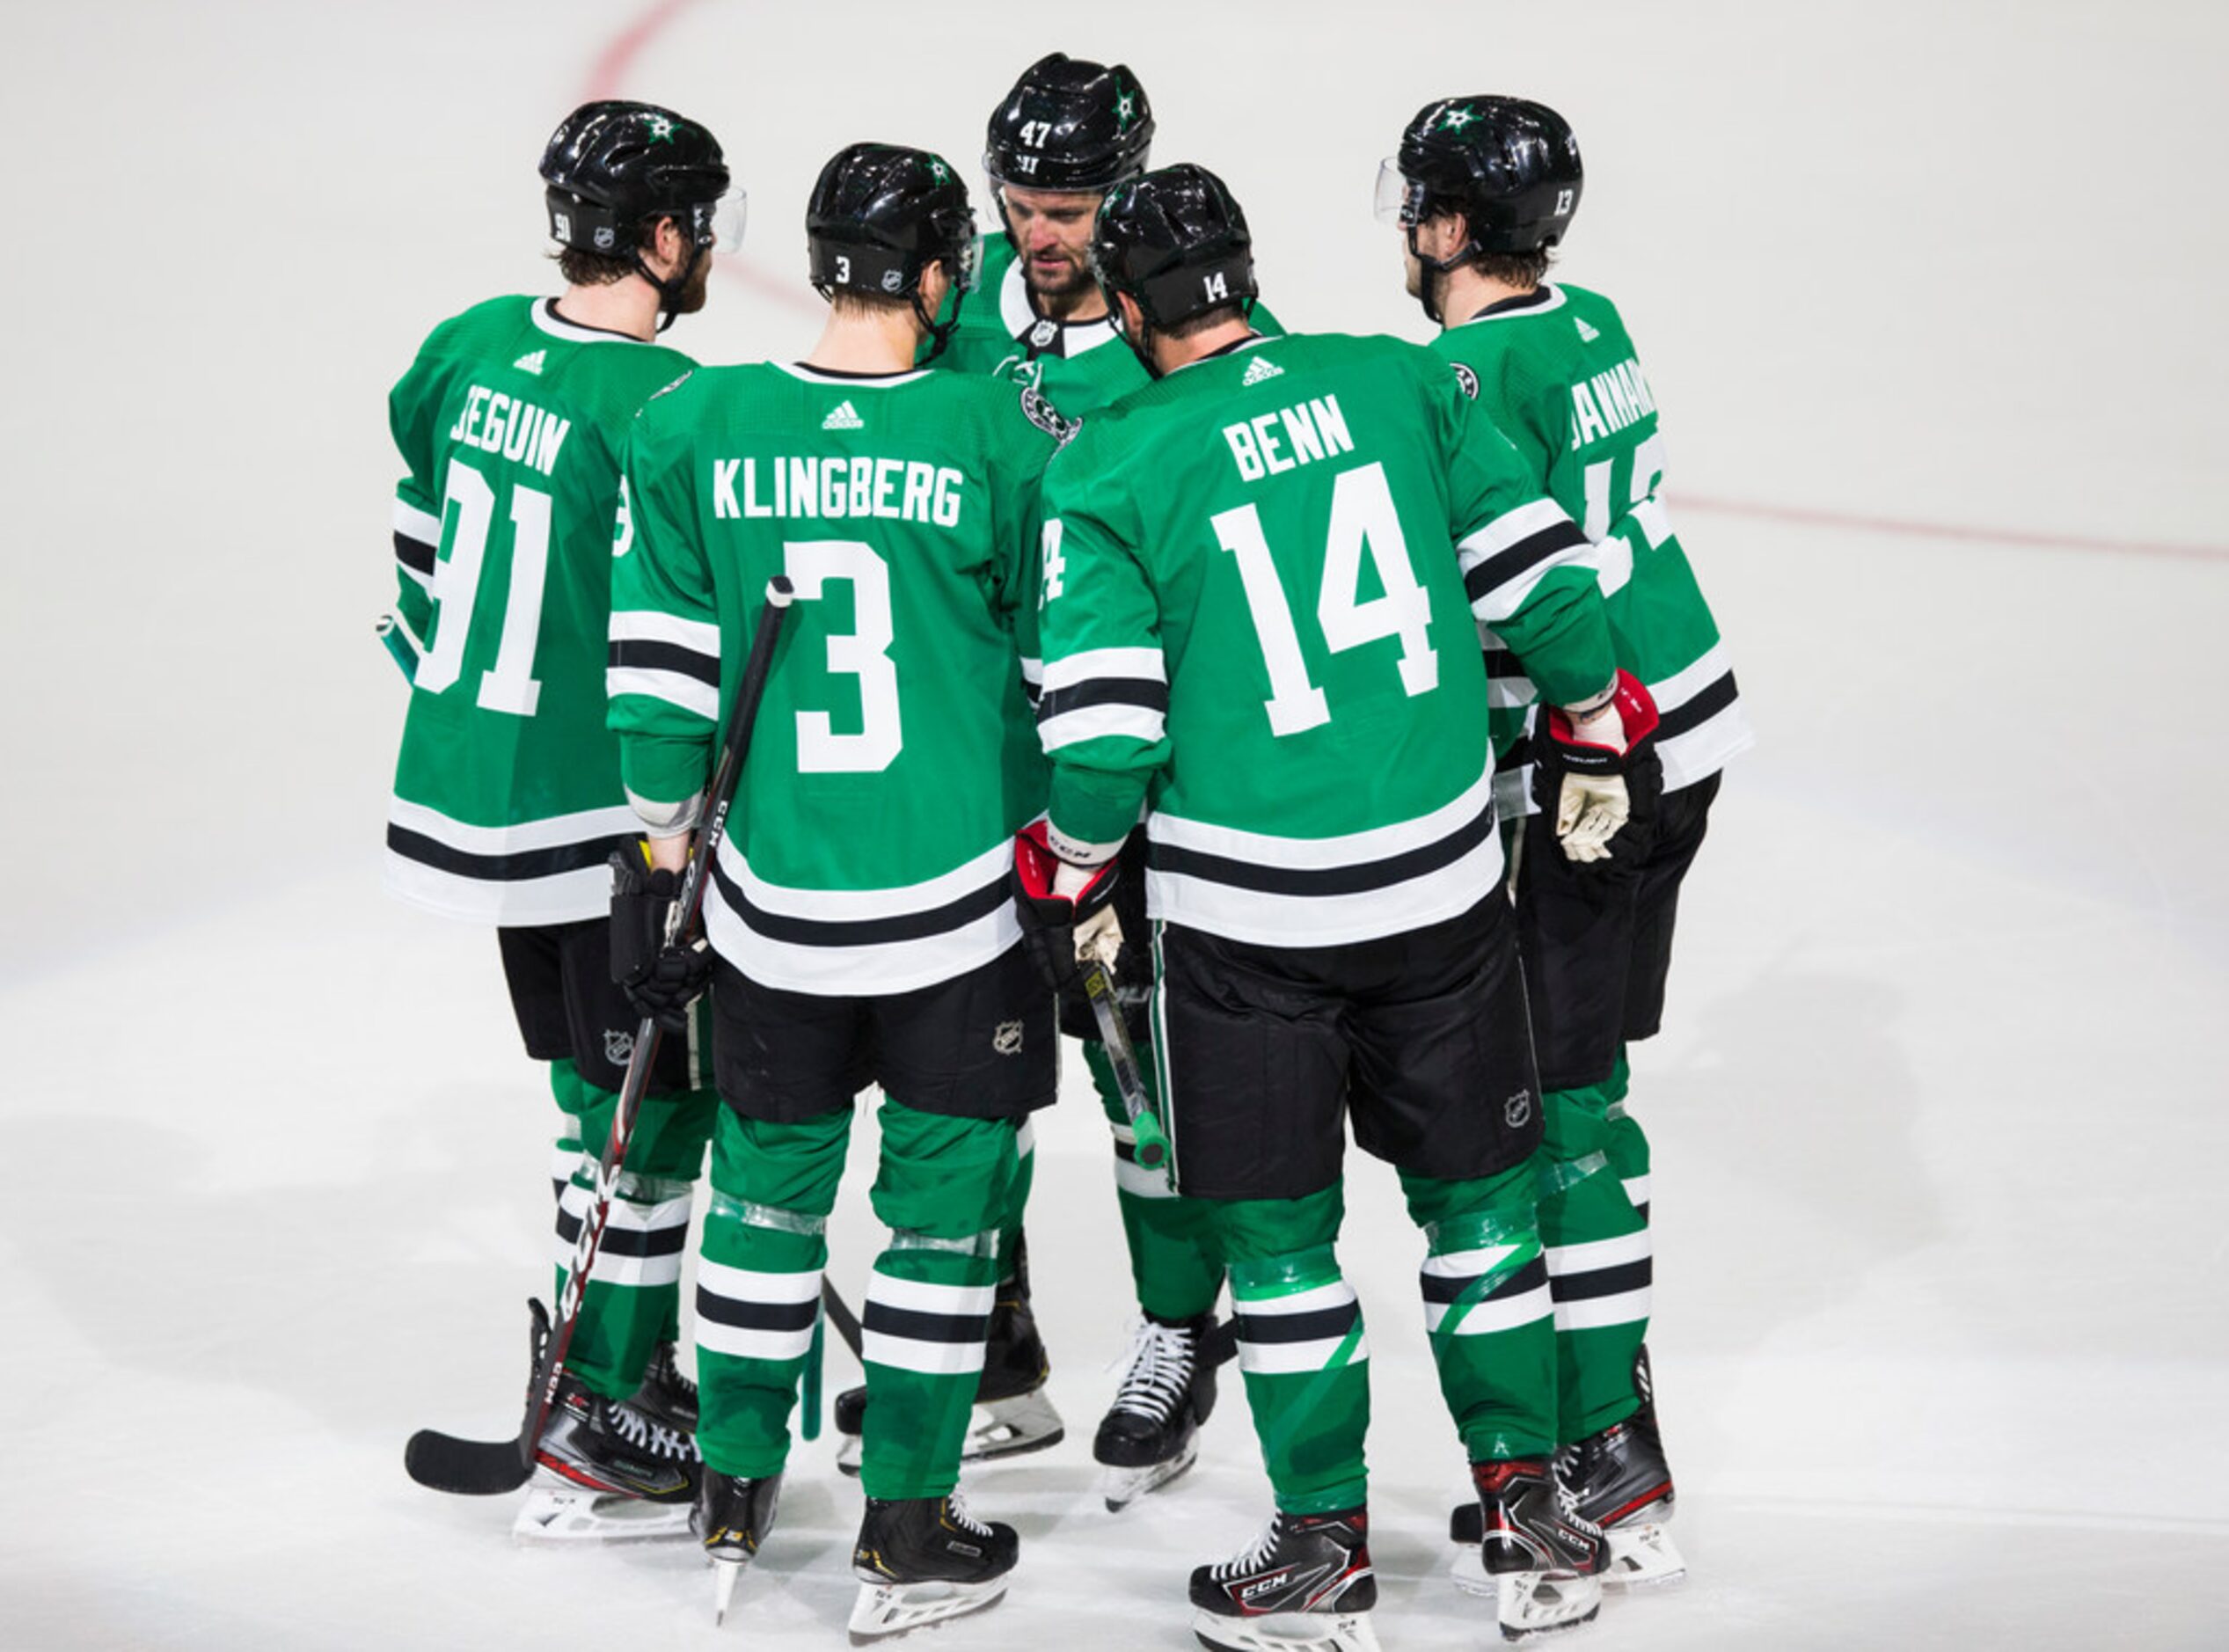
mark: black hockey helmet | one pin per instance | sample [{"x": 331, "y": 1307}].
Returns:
[
  {"x": 1070, "y": 124},
  {"x": 1176, "y": 242},
  {"x": 879, "y": 215},
  {"x": 614, "y": 167},
  {"x": 1511, "y": 167}
]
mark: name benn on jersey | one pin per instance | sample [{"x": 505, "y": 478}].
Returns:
[
  {"x": 899, "y": 490},
  {"x": 1314, "y": 429},
  {"x": 1608, "y": 402},
  {"x": 518, "y": 430}
]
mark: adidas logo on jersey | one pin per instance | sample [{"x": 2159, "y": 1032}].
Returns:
[
  {"x": 845, "y": 417},
  {"x": 1262, "y": 369},
  {"x": 1585, "y": 332},
  {"x": 531, "y": 363}
]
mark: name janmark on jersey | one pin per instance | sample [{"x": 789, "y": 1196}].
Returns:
[{"x": 1608, "y": 402}]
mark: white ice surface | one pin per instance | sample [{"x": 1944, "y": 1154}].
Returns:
[{"x": 1941, "y": 1333}]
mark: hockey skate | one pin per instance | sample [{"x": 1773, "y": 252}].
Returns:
[
  {"x": 605, "y": 1471},
  {"x": 732, "y": 1516},
  {"x": 1150, "y": 1434},
  {"x": 1540, "y": 1561},
  {"x": 1618, "y": 1480},
  {"x": 666, "y": 1394},
  {"x": 1304, "y": 1585},
  {"x": 1014, "y": 1414},
  {"x": 922, "y": 1560}
]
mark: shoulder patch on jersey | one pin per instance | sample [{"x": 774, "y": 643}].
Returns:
[
  {"x": 1047, "y": 418},
  {"x": 1466, "y": 379},
  {"x": 676, "y": 384}
]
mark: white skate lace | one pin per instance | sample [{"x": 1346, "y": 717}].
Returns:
[
  {"x": 646, "y": 1436},
  {"x": 1160, "y": 1370},
  {"x": 957, "y": 1508},
  {"x": 1254, "y": 1556}
]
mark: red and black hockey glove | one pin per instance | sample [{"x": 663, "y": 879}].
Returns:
[
  {"x": 1066, "y": 910},
  {"x": 1597, "y": 775},
  {"x": 660, "y": 981}
]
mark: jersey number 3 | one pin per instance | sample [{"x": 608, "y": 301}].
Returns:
[{"x": 1363, "y": 515}]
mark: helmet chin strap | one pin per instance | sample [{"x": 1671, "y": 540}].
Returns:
[
  {"x": 1432, "y": 269},
  {"x": 941, "y": 335},
  {"x": 669, "y": 292}
]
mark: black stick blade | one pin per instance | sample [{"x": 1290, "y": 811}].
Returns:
[{"x": 470, "y": 1468}]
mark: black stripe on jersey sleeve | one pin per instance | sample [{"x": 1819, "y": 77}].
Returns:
[
  {"x": 1516, "y": 758},
  {"x": 666, "y": 656},
  {"x": 511, "y": 868},
  {"x": 1354, "y": 879},
  {"x": 1707, "y": 704},
  {"x": 915, "y": 1325},
  {"x": 756, "y": 1316},
  {"x": 1314, "y": 1325},
  {"x": 1502, "y": 664},
  {"x": 1603, "y": 1281},
  {"x": 1531, "y": 1276},
  {"x": 1103, "y": 690},
  {"x": 1528, "y": 552},
  {"x": 414, "y": 554},
  {"x": 861, "y": 931}
]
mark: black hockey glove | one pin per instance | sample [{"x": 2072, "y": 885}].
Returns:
[
  {"x": 1597, "y": 774},
  {"x": 660, "y": 981},
  {"x": 1063, "y": 909}
]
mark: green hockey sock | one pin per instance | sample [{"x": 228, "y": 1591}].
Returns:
[
  {"x": 758, "y": 1281},
  {"x": 1600, "y": 1259},
  {"x": 1487, "y": 1310},
  {"x": 1300, "y": 1346},
  {"x": 634, "y": 1299},
  {"x": 1169, "y": 1236}
]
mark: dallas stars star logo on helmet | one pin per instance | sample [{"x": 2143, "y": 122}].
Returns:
[
  {"x": 1456, "y": 120},
  {"x": 1125, "y": 111},
  {"x": 936, "y": 171},
  {"x": 660, "y": 129}
]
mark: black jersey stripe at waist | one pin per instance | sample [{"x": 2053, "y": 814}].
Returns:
[
  {"x": 665, "y": 656},
  {"x": 1352, "y": 880},
  {"x": 414, "y": 554},
  {"x": 514, "y": 868},
  {"x": 860, "y": 931}
]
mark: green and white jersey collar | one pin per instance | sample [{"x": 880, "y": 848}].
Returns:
[
  {"x": 848, "y": 380},
  {"x": 544, "y": 311},
  {"x": 1549, "y": 296},
  {"x": 1042, "y": 335}
]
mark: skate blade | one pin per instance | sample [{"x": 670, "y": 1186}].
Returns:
[
  {"x": 1009, "y": 1427},
  {"x": 1285, "y": 1632},
  {"x": 577, "y": 1514},
  {"x": 1122, "y": 1487},
  {"x": 726, "y": 1576},
  {"x": 1643, "y": 1557},
  {"x": 884, "y": 1609},
  {"x": 1529, "y": 1605}
]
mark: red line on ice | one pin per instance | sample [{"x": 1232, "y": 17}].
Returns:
[{"x": 618, "y": 58}]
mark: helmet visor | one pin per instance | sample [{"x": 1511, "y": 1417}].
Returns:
[
  {"x": 970, "y": 265},
  {"x": 1399, "y": 199},
  {"x": 729, "y": 214}
]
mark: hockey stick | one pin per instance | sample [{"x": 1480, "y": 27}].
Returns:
[
  {"x": 1151, "y": 1145},
  {"x": 486, "y": 1468},
  {"x": 846, "y": 1322}
]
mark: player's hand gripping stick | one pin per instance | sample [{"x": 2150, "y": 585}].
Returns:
[{"x": 486, "y": 1467}]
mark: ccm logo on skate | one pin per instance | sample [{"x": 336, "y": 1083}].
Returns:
[{"x": 1264, "y": 1585}]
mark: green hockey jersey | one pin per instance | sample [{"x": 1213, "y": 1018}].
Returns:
[
  {"x": 507, "y": 797},
  {"x": 1261, "y": 580},
  {"x": 894, "y": 756},
  {"x": 1077, "y": 366},
  {"x": 1555, "y": 370}
]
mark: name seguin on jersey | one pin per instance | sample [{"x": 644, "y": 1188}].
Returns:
[
  {"x": 1608, "y": 402},
  {"x": 898, "y": 490},
  {"x": 518, "y": 430},
  {"x": 1314, "y": 429}
]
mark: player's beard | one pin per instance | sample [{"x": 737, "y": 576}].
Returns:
[
  {"x": 1064, "y": 281},
  {"x": 693, "y": 295},
  {"x": 1414, "y": 269}
]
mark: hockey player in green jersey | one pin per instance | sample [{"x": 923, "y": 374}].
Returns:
[
  {"x": 1261, "y": 578},
  {"x": 1484, "y": 189},
  {"x": 507, "y": 798},
  {"x": 857, "y": 914},
  {"x": 1067, "y": 131}
]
